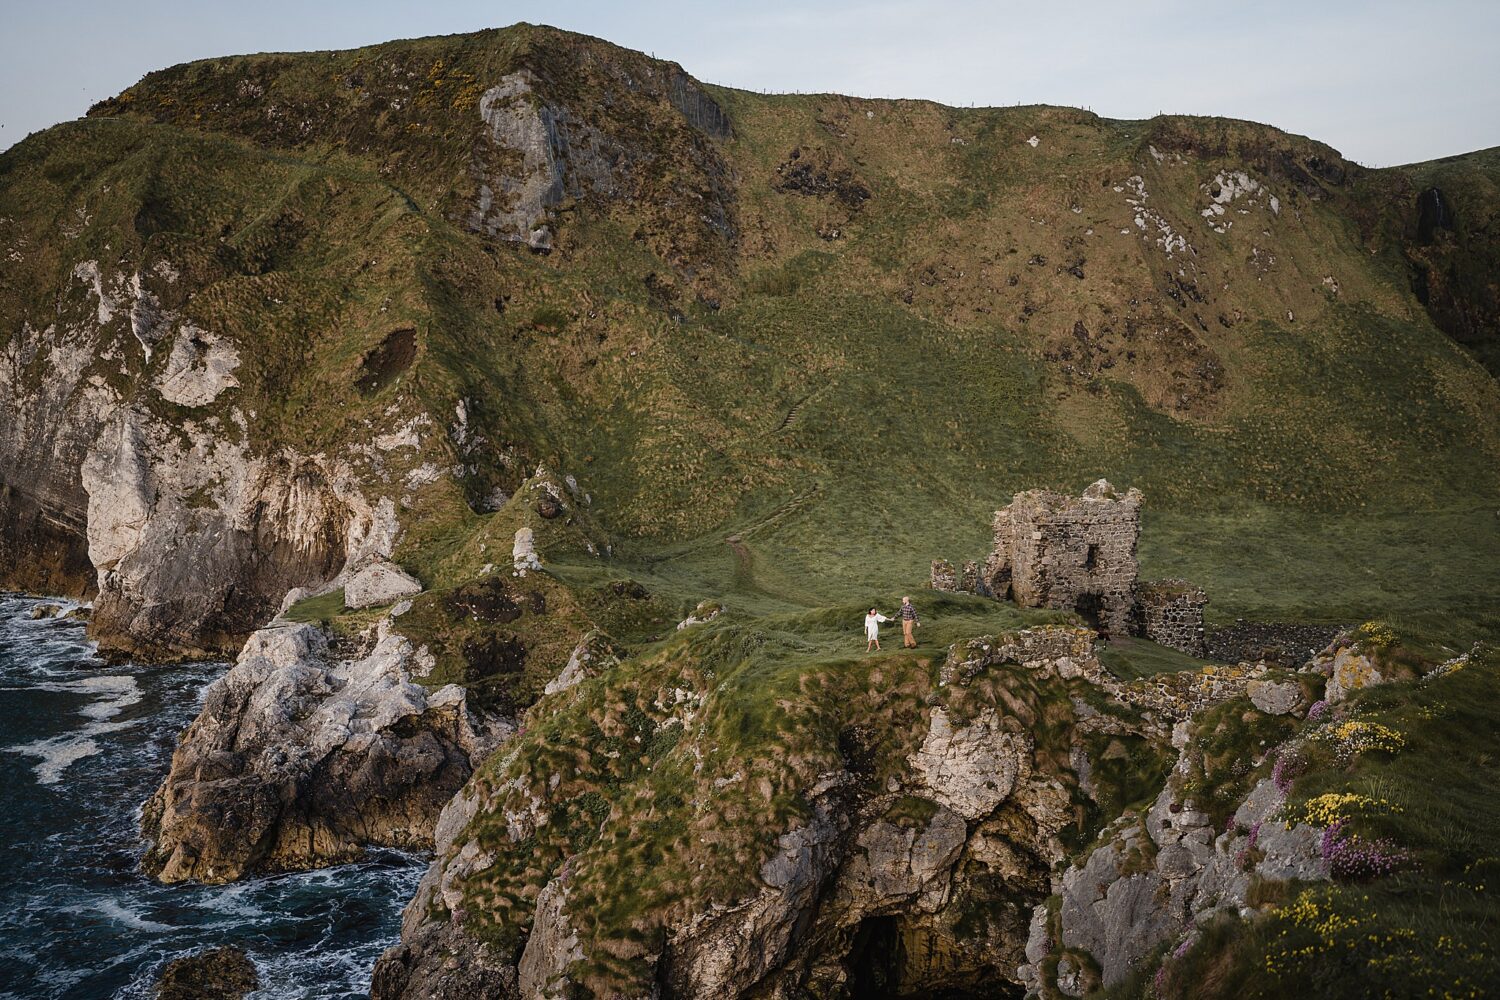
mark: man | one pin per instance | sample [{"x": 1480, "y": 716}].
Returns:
[
  {"x": 872, "y": 629},
  {"x": 908, "y": 622}
]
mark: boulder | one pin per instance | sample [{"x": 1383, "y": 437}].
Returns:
[
  {"x": 219, "y": 974},
  {"x": 378, "y": 583},
  {"x": 1350, "y": 671},
  {"x": 1277, "y": 697},
  {"x": 523, "y": 552}
]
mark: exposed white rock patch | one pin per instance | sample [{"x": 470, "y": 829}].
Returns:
[
  {"x": 422, "y": 475},
  {"x": 706, "y": 611},
  {"x": 117, "y": 478},
  {"x": 1228, "y": 187},
  {"x": 149, "y": 322},
  {"x": 523, "y": 552},
  {"x": 199, "y": 369},
  {"x": 408, "y": 435},
  {"x": 1033, "y": 142},
  {"x": 380, "y": 582},
  {"x": 88, "y": 272},
  {"x": 1150, "y": 222},
  {"x": 592, "y": 654},
  {"x": 973, "y": 769}
]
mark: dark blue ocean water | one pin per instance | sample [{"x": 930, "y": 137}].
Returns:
[{"x": 82, "y": 745}]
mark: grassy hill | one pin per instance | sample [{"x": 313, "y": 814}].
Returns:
[{"x": 844, "y": 330}]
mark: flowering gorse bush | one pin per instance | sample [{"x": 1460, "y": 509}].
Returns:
[
  {"x": 1334, "y": 807},
  {"x": 1351, "y": 857},
  {"x": 1377, "y": 635},
  {"x": 1352, "y": 738}
]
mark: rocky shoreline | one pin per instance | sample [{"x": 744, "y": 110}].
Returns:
[{"x": 305, "y": 754}]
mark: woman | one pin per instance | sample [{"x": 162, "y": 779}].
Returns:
[{"x": 872, "y": 629}]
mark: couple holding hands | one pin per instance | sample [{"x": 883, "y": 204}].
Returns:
[{"x": 908, "y": 616}]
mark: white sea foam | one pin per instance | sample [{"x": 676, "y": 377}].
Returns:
[
  {"x": 56, "y": 755},
  {"x": 120, "y": 914}
]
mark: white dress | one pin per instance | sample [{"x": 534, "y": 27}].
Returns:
[{"x": 872, "y": 625}]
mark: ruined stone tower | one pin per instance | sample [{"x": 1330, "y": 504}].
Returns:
[{"x": 1072, "y": 553}]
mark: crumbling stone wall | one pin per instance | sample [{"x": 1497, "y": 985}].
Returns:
[
  {"x": 1171, "y": 614},
  {"x": 1073, "y": 553},
  {"x": 1177, "y": 696},
  {"x": 1165, "y": 698},
  {"x": 944, "y": 579}
]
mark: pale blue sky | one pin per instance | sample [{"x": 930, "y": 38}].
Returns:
[{"x": 1384, "y": 82}]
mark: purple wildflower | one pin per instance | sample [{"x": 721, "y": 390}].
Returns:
[
  {"x": 1290, "y": 764},
  {"x": 1349, "y": 857},
  {"x": 1318, "y": 712}
]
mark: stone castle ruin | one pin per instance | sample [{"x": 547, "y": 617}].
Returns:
[{"x": 1079, "y": 554}]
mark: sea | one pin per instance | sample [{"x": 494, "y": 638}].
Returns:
[{"x": 82, "y": 746}]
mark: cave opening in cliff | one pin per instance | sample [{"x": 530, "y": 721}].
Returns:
[{"x": 887, "y": 961}]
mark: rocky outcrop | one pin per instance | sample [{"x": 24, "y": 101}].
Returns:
[
  {"x": 592, "y": 654},
  {"x": 379, "y": 582},
  {"x": 1154, "y": 878},
  {"x": 434, "y": 957},
  {"x": 1348, "y": 668},
  {"x": 919, "y": 883},
  {"x": 303, "y": 755},
  {"x": 148, "y": 490}
]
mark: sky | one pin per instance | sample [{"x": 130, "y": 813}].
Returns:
[{"x": 1382, "y": 82}]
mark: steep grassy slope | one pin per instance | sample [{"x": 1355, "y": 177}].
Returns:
[{"x": 842, "y": 331}]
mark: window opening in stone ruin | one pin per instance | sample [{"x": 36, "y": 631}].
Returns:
[{"x": 1091, "y": 560}]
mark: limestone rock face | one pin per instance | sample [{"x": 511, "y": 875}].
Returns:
[
  {"x": 380, "y": 582},
  {"x": 300, "y": 758},
  {"x": 186, "y": 530},
  {"x": 591, "y": 655},
  {"x": 972, "y": 769},
  {"x": 552, "y": 947},
  {"x": 1155, "y": 878},
  {"x": 199, "y": 369},
  {"x": 722, "y": 955},
  {"x": 871, "y": 888}
]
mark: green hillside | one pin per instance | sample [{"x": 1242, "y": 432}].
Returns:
[{"x": 894, "y": 315}]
